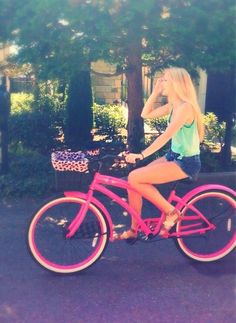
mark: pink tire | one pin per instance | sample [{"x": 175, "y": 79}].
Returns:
[
  {"x": 47, "y": 236},
  {"x": 219, "y": 208}
]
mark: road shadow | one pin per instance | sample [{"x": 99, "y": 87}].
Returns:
[{"x": 217, "y": 268}]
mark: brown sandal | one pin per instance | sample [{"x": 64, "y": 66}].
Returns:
[
  {"x": 171, "y": 219},
  {"x": 126, "y": 235}
]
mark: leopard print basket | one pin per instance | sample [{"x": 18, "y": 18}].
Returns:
[{"x": 72, "y": 161}]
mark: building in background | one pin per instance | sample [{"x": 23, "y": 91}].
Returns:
[{"x": 107, "y": 84}]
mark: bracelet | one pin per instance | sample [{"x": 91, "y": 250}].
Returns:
[{"x": 142, "y": 155}]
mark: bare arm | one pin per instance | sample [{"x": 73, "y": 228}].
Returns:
[
  {"x": 152, "y": 108},
  {"x": 152, "y": 112},
  {"x": 181, "y": 117}
]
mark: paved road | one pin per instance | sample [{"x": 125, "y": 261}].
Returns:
[{"x": 140, "y": 283}]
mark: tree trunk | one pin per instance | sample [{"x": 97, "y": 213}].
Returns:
[
  {"x": 135, "y": 100},
  {"x": 5, "y": 161},
  {"x": 220, "y": 99},
  {"x": 226, "y": 153},
  {"x": 4, "y": 117},
  {"x": 79, "y": 111}
]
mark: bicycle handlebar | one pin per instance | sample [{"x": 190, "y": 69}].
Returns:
[{"x": 100, "y": 160}]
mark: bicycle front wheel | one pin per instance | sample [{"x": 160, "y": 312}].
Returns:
[
  {"x": 219, "y": 208},
  {"x": 51, "y": 248}
]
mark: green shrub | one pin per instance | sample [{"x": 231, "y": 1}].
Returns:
[
  {"x": 34, "y": 130},
  {"x": 109, "y": 119},
  {"x": 31, "y": 174},
  {"x": 158, "y": 125},
  {"x": 212, "y": 144},
  {"x": 21, "y": 102},
  {"x": 37, "y": 124},
  {"x": 214, "y": 130}
]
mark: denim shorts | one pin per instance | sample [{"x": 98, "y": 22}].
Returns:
[{"x": 190, "y": 165}]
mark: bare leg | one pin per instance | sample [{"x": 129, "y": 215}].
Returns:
[
  {"x": 135, "y": 200},
  {"x": 155, "y": 173}
]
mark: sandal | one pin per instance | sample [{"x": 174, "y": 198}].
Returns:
[
  {"x": 129, "y": 235},
  {"x": 171, "y": 219}
]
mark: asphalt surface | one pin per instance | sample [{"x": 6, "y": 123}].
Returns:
[{"x": 139, "y": 283}]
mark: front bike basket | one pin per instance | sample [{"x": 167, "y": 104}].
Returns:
[
  {"x": 69, "y": 161},
  {"x": 71, "y": 168}
]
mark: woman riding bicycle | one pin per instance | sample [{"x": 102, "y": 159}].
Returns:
[
  {"x": 70, "y": 233},
  {"x": 185, "y": 130}
]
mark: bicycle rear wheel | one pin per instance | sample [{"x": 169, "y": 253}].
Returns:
[
  {"x": 219, "y": 208},
  {"x": 47, "y": 236}
]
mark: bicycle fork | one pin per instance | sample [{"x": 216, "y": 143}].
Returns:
[{"x": 79, "y": 218}]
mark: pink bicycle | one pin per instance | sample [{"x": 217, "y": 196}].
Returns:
[{"x": 70, "y": 233}]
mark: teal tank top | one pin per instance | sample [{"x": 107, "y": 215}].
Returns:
[{"x": 186, "y": 141}]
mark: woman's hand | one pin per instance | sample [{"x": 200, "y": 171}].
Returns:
[
  {"x": 133, "y": 158},
  {"x": 158, "y": 88}
]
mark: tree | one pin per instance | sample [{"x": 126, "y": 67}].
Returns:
[
  {"x": 208, "y": 42},
  {"x": 129, "y": 33},
  {"x": 217, "y": 56},
  {"x": 159, "y": 34},
  {"x": 42, "y": 35},
  {"x": 120, "y": 30},
  {"x": 220, "y": 99}
]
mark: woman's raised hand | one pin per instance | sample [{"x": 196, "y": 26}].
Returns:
[{"x": 158, "y": 88}]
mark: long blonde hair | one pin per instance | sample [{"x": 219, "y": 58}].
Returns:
[{"x": 183, "y": 88}]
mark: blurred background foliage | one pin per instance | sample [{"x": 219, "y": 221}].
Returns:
[
  {"x": 57, "y": 40},
  {"x": 37, "y": 130}
]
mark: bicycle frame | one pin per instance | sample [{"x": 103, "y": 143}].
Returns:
[{"x": 98, "y": 183}]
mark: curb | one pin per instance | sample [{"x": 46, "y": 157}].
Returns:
[{"x": 224, "y": 178}]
